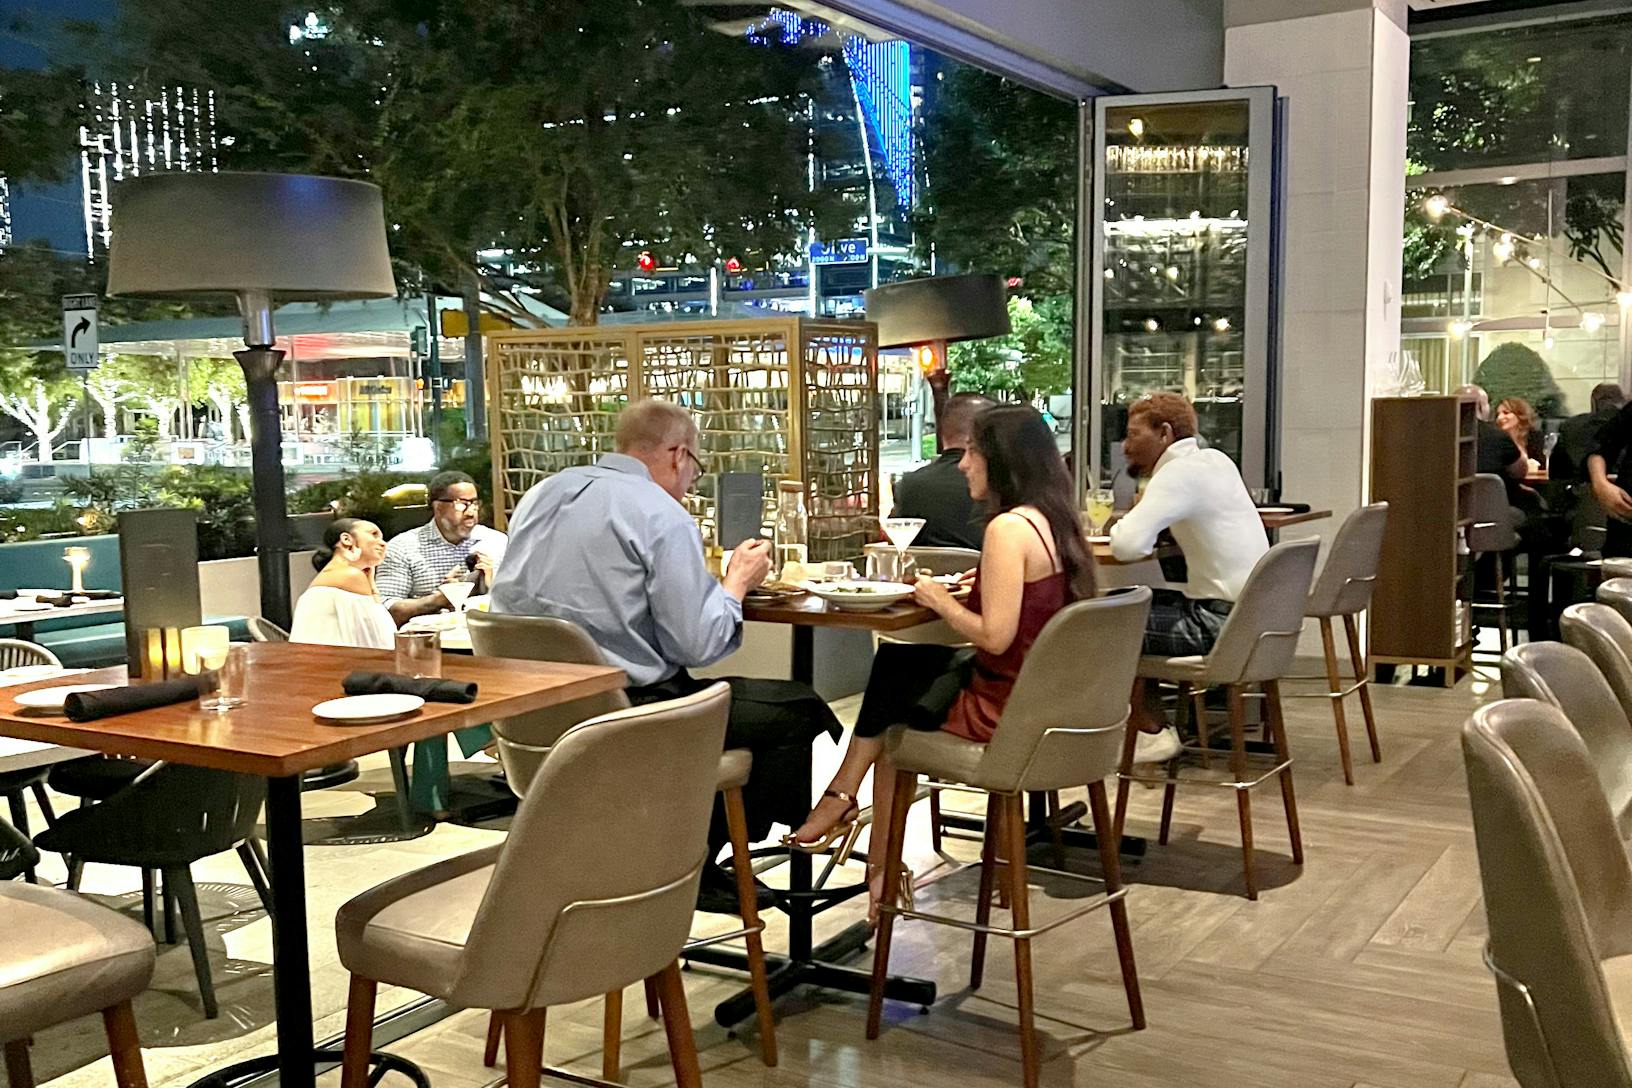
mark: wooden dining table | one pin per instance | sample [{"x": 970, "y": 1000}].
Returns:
[{"x": 275, "y": 735}]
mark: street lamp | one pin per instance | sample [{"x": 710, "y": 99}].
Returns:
[{"x": 253, "y": 238}]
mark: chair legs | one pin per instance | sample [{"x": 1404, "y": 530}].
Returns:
[
  {"x": 124, "y": 1046},
  {"x": 676, "y": 1024},
  {"x": 19, "y": 1072},
  {"x": 736, "y": 819},
  {"x": 179, "y": 882},
  {"x": 988, "y": 878},
  {"x": 1020, "y": 911},
  {"x": 257, "y": 876},
  {"x": 359, "y": 1032},
  {"x": 1243, "y": 795},
  {"x": 1110, "y": 862},
  {"x": 1334, "y": 681},
  {"x": 611, "y": 1034},
  {"x": 524, "y": 1046},
  {"x": 906, "y": 784},
  {"x": 19, "y": 820},
  {"x": 1362, "y": 677},
  {"x": 495, "y": 1033},
  {"x": 1283, "y": 754}
]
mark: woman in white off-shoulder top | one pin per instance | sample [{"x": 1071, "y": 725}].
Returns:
[{"x": 341, "y": 607}]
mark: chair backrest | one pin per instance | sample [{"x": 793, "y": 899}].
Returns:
[
  {"x": 525, "y": 739},
  {"x": 937, "y": 561},
  {"x": 262, "y": 629},
  {"x": 1064, "y": 721},
  {"x": 1350, "y": 574},
  {"x": 1563, "y": 676},
  {"x": 1601, "y": 633},
  {"x": 1617, "y": 593},
  {"x": 1261, "y": 634},
  {"x": 14, "y": 652},
  {"x": 174, "y": 811},
  {"x": 17, "y": 853},
  {"x": 1558, "y": 893},
  {"x": 1492, "y": 529},
  {"x": 596, "y": 883}
]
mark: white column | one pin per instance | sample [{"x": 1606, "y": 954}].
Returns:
[{"x": 1342, "y": 67}]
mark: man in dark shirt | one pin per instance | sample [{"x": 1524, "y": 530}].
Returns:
[
  {"x": 938, "y": 493},
  {"x": 1578, "y": 435},
  {"x": 1613, "y": 456}
]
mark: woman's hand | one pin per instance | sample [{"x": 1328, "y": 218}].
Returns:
[{"x": 932, "y": 595}]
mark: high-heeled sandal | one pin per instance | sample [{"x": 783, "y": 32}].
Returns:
[
  {"x": 839, "y": 832},
  {"x": 903, "y": 894}
]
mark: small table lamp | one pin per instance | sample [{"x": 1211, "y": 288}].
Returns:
[
  {"x": 928, "y": 314},
  {"x": 253, "y": 238}
]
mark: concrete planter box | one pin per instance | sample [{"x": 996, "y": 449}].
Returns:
[{"x": 232, "y": 587}]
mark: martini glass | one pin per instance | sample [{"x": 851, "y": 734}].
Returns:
[
  {"x": 902, "y": 532},
  {"x": 457, "y": 593}
]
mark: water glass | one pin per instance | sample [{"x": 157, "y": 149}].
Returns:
[
  {"x": 419, "y": 653},
  {"x": 889, "y": 565},
  {"x": 224, "y": 680}
]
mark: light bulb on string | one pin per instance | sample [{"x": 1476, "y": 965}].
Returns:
[
  {"x": 1547, "y": 342},
  {"x": 1591, "y": 322},
  {"x": 1459, "y": 328},
  {"x": 1623, "y": 299},
  {"x": 1436, "y": 206},
  {"x": 1502, "y": 249}
]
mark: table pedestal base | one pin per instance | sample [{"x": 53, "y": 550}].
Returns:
[{"x": 245, "y": 1073}]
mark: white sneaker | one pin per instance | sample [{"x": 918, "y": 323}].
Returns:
[{"x": 1157, "y": 747}]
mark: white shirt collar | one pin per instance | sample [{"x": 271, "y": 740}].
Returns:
[{"x": 1184, "y": 447}]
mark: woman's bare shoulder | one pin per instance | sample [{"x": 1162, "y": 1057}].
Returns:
[{"x": 349, "y": 579}]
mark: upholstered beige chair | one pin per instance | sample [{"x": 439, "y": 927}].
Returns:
[
  {"x": 1044, "y": 742},
  {"x": 1558, "y": 897},
  {"x": 1617, "y": 593},
  {"x": 1255, "y": 647},
  {"x": 1344, "y": 589},
  {"x": 1604, "y": 635},
  {"x": 525, "y": 741},
  {"x": 1565, "y": 677},
  {"x": 64, "y": 957},
  {"x": 583, "y": 897}
]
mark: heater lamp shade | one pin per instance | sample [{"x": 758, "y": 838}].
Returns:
[
  {"x": 939, "y": 308},
  {"x": 293, "y": 237}
]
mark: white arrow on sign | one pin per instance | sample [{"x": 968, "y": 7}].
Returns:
[{"x": 79, "y": 331}]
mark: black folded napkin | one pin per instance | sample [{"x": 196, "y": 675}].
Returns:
[
  {"x": 98, "y": 594},
  {"x": 428, "y": 688},
  {"x": 87, "y": 706},
  {"x": 8, "y": 594}
]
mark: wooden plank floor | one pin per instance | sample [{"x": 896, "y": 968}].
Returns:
[{"x": 1360, "y": 969}]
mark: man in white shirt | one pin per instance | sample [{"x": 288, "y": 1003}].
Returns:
[
  {"x": 418, "y": 562},
  {"x": 1197, "y": 495}
]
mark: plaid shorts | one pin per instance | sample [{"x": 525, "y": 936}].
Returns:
[{"x": 1181, "y": 626}]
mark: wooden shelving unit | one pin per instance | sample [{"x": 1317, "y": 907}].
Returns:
[{"x": 1423, "y": 457}]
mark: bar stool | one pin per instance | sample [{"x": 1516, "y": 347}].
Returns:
[
  {"x": 524, "y": 742},
  {"x": 1565, "y": 677},
  {"x": 592, "y": 889},
  {"x": 1617, "y": 593},
  {"x": 1492, "y": 533},
  {"x": 65, "y": 957},
  {"x": 1255, "y": 647},
  {"x": 1344, "y": 589},
  {"x": 1044, "y": 742},
  {"x": 1557, "y": 892}
]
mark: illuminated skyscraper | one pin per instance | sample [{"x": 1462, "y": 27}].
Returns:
[{"x": 130, "y": 130}]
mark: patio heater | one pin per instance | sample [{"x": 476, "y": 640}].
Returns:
[
  {"x": 254, "y": 238},
  {"x": 929, "y": 314}
]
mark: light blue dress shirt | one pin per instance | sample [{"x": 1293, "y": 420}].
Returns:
[{"x": 610, "y": 550}]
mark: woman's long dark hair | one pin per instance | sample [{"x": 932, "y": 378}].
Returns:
[
  {"x": 1024, "y": 468},
  {"x": 338, "y": 528}
]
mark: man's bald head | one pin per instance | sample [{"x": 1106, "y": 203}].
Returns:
[{"x": 650, "y": 425}]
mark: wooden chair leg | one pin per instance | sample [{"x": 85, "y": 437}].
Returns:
[
  {"x": 1283, "y": 753},
  {"x": 736, "y": 821},
  {"x": 1334, "y": 682},
  {"x": 653, "y": 1009},
  {"x": 906, "y": 784},
  {"x": 124, "y": 1046},
  {"x": 677, "y": 1025},
  {"x": 1020, "y": 911},
  {"x": 359, "y": 1032},
  {"x": 524, "y": 1046},
  {"x": 19, "y": 1073},
  {"x": 983, "y": 900},
  {"x": 1130, "y": 740},
  {"x": 495, "y": 1033},
  {"x": 181, "y": 882},
  {"x": 1110, "y": 862},
  {"x": 1362, "y": 677},
  {"x": 611, "y": 1034},
  {"x": 1243, "y": 796},
  {"x": 1168, "y": 793}
]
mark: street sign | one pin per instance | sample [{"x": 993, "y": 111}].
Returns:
[
  {"x": 79, "y": 331},
  {"x": 844, "y": 251}
]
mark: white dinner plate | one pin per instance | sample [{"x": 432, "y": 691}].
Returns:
[
  {"x": 861, "y": 596},
  {"x": 364, "y": 709},
  {"x": 1276, "y": 510},
  {"x": 28, "y": 674},
  {"x": 1099, "y": 540},
  {"x": 21, "y": 605},
  {"x": 51, "y": 698}
]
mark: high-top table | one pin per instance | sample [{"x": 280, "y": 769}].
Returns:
[{"x": 275, "y": 735}]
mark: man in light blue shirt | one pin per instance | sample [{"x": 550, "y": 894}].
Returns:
[{"x": 610, "y": 547}]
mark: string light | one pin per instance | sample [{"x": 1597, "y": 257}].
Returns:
[
  {"x": 1591, "y": 321},
  {"x": 1436, "y": 206},
  {"x": 1502, "y": 249},
  {"x": 1459, "y": 329}
]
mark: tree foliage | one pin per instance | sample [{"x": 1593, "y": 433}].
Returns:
[
  {"x": 1514, "y": 370},
  {"x": 1034, "y": 360},
  {"x": 572, "y": 134}
]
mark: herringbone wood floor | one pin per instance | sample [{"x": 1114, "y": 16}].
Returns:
[{"x": 1361, "y": 968}]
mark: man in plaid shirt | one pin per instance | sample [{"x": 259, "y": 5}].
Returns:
[{"x": 418, "y": 562}]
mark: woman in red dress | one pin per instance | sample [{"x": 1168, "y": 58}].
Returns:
[{"x": 1034, "y": 561}]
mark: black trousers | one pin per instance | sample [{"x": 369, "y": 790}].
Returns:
[{"x": 777, "y": 720}]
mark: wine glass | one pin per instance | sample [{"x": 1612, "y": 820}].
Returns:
[
  {"x": 1100, "y": 502},
  {"x": 902, "y": 532}
]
